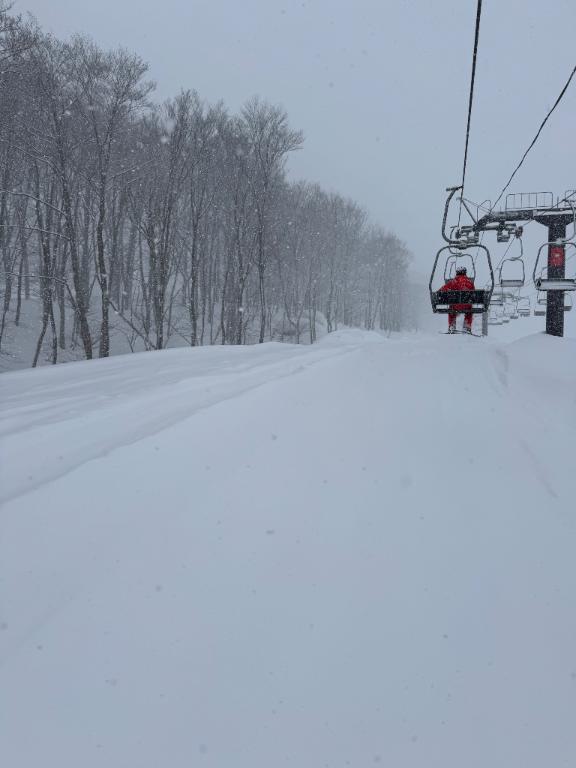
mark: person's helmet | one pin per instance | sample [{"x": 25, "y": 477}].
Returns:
[{"x": 461, "y": 271}]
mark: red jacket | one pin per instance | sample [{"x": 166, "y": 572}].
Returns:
[{"x": 460, "y": 283}]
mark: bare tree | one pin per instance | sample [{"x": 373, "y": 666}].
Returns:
[
  {"x": 140, "y": 226},
  {"x": 270, "y": 139}
]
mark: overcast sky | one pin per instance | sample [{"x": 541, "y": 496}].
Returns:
[{"x": 379, "y": 87}]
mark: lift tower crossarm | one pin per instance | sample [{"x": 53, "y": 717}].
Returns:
[{"x": 545, "y": 216}]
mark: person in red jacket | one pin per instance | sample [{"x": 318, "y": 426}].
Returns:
[{"x": 460, "y": 283}]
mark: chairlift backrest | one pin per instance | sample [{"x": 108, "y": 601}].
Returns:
[
  {"x": 449, "y": 268},
  {"x": 457, "y": 260}
]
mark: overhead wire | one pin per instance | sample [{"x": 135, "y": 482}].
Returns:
[
  {"x": 470, "y": 100},
  {"x": 536, "y": 137},
  {"x": 524, "y": 156},
  {"x": 531, "y": 145}
]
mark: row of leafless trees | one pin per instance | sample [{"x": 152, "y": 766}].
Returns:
[{"x": 124, "y": 220}]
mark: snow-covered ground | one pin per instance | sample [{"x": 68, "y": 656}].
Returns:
[{"x": 351, "y": 554}]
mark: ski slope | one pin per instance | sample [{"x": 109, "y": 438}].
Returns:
[{"x": 353, "y": 554}]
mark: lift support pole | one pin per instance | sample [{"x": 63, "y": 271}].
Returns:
[
  {"x": 556, "y": 269},
  {"x": 556, "y": 220}
]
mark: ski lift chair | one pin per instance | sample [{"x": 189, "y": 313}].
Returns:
[
  {"x": 524, "y": 306},
  {"x": 540, "y": 306},
  {"x": 479, "y": 299},
  {"x": 494, "y": 316},
  {"x": 545, "y": 283},
  {"x": 511, "y": 280},
  {"x": 514, "y": 309}
]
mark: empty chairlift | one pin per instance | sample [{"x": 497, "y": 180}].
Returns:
[
  {"x": 511, "y": 273},
  {"x": 493, "y": 318},
  {"x": 511, "y": 307},
  {"x": 524, "y": 308},
  {"x": 496, "y": 314},
  {"x": 545, "y": 282},
  {"x": 540, "y": 306},
  {"x": 497, "y": 299}
]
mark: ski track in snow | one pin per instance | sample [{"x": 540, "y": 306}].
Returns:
[
  {"x": 370, "y": 562},
  {"x": 71, "y": 419}
]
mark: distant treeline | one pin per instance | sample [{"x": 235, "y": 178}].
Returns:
[{"x": 125, "y": 224}]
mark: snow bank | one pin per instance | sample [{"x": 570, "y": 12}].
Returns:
[{"x": 545, "y": 357}]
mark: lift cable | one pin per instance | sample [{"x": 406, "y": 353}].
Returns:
[
  {"x": 535, "y": 139},
  {"x": 510, "y": 244},
  {"x": 470, "y": 99},
  {"x": 533, "y": 142}
]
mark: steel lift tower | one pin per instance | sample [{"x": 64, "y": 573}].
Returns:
[{"x": 540, "y": 207}]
